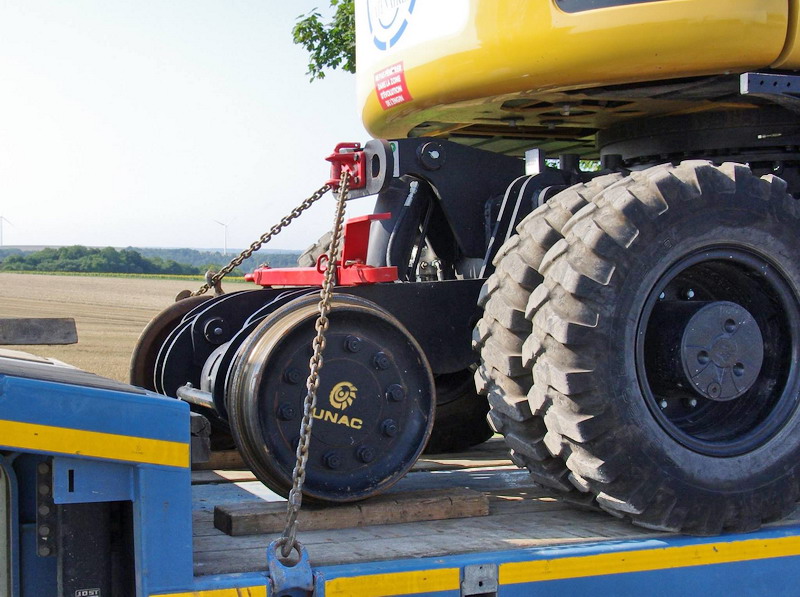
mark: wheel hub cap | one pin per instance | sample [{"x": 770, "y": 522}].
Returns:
[{"x": 722, "y": 351}]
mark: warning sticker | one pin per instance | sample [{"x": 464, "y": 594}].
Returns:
[{"x": 390, "y": 85}]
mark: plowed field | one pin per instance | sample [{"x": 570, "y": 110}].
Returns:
[{"x": 109, "y": 314}]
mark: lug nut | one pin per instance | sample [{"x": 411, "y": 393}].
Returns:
[
  {"x": 688, "y": 294},
  {"x": 366, "y": 454},
  {"x": 286, "y": 412},
  {"x": 395, "y": 392},
  {"x": 389, "y": 428},
  {"x": 332, "y": 460},
  {"x": 352, "y": 343},
  {"x": 663, "y": 404},
  {"x": 293, "y": 376},
  {"x": 381, "y": 361}
]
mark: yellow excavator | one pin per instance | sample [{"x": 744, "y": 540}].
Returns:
[
  {"x": 633, "y": 325},
  {"x": 640, "y": 336}
]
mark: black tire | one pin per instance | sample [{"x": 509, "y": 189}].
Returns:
[
  {"x": 504, "y": 375},
  {"x": 460, "y": 420},
  {"x": 616, "y": 407},
  {"x": 309, "y": 257}
]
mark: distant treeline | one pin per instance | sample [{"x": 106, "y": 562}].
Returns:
[
  {"x": 129, "y": 261},
  {"x": 204, "y": 258}
]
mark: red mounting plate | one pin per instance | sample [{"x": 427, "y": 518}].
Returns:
[{"x": 352, "y": 270}]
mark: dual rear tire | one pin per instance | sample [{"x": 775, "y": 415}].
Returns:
[{"x": 652, "y": 368}]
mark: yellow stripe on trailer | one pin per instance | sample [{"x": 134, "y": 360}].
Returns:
[
  {"x": 395, "y": 583},
  {"x": 647, "y": 560},
  {"x": 258, "y": 591},
  {"x": 78, "y": 442}
]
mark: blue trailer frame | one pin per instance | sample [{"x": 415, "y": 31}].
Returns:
[{"x": 110, "y": 442}]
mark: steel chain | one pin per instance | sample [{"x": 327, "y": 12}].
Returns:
[
  {"x": 214, "y": 279},
  {"x": 288, "y": 540}
]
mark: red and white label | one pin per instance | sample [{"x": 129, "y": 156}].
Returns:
[{"x": 390, "y": 85}]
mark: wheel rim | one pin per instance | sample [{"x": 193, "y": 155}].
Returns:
[{"x": 708, "y": 382}]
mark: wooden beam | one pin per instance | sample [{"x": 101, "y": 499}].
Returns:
[
  {"x": 252, "y": 518},
  {"x": 21, "y": 330}
]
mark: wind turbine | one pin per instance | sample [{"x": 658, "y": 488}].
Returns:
[
  {"x": 7, "y": 221},
  {"x": 225, "y": 242}
]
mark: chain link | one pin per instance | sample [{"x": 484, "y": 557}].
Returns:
[
  {"x": 288, "y": 540},
  {"x": 214, "y": 280}
]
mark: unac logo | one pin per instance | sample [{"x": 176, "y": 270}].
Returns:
[
  {"x": 342, "y": 395},
  {"x": 388, "y": 20}
]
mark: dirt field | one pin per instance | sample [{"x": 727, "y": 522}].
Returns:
[{"x": 109, "y": 314}]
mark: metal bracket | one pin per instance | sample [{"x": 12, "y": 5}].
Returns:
[
  {"x": 783, "y": 90},
  {"x": 296, "y": 580},
  {"x": 479, "y": 580}
]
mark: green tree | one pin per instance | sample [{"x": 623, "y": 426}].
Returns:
[{"x": 330, "y": 45}]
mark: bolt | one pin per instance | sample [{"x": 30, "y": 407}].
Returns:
[
  {"x": 332, "y": 460},
  {"x": 44, "y": 510},
  {"x": 217, "y": 331},
  {"x": 688, "y": 294},
  {"x": 366, "y": 454},
  {"x": 713, "y": 390},
  {"x": 44, "y": 489},
  {"x": 352, "y": 343},
  {"x": 381, "y": 361},
  {"x": 293, "y": 376},
  {"x": 44, "y": 530},
  {"x": 663, "y": 404},
  {"x": 395, "y": 392},
  {"x": 44, "y": 551},
  {"x": 43, "y": 468},
  {"x": 389, "y": 428},
  {"x": 693, "y": 402},
  {"x": 729, "y": 326},
  {"x": 286, "y": 412},
  {"x": 662, "y": 296}
]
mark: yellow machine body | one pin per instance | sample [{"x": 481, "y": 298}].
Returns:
[{"x": 533, "y": 70}]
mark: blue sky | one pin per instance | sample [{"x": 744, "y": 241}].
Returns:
[{"x": 141, "y": 122}]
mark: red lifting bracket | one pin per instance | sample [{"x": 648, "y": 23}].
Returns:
[
  {"x": 348, "y": 157},
  {"x": 351, "y": 270}
]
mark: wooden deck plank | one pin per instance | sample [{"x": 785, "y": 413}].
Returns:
[{"x": 251, "y": 518}]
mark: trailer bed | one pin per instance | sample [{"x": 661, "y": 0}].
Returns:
[{"x": 521, "y": 514}]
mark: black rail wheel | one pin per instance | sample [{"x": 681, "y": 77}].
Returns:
[
  {"x": 503, "y": 375},
  {"x": 670, "y": 335},
  {"x": 375, "y": 402},
  {"x": 143, "y": 360}
]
